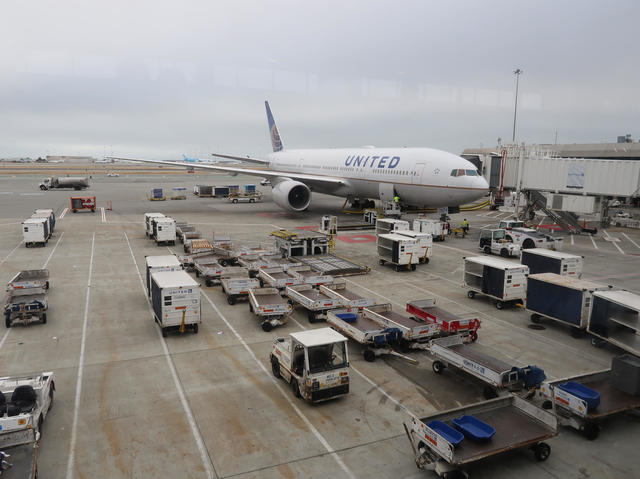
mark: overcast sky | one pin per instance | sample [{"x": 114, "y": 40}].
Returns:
[{"x": 165, "y": 78}]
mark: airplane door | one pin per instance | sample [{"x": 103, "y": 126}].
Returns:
[
  {"x": 416, "y": 177},
  {"x": 386, "y": 191}
]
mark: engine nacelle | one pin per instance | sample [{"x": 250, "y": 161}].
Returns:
[
  {"x": 292, "y": 195},
  {"x": 233, "y": 173}
]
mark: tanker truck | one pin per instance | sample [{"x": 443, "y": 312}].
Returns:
[{"x": 55, "y": 183}]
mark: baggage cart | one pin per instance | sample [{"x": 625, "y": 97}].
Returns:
[
  {"x": 278, "y": 260},
  {"x": 517, "y": 423},
  {"x": 254, "y": 264},
  {"x": 374, "y": 335},
  {"x": 197, "y": 245},
  {"x": 222, "y": 240},
  {"x": 269, "y": 304},
  {"x": 147, "y": 226},
  {"x": 349, "y": 298},
  {"x": 175, "y": 300},
  {"x": 426, "y": 310},
  {"x": 497, "y": 373},
  {"x": 438, "y": 229},
  {"x": 52, "y": 215},
  {"x": 416, "y": 333},
  {"x": 547, "y": 261},
  {"x": 188, "y": 232},
  {"x": 204, "y": 190},
  {"x": 615, "y": 319},
  {"x": 21, "y": 448},
  {"x": 259, "y": 249},
  {"x": 403, "y": 251},
  {"x": 164, "y": 231},
  {"x": 29, "y": 279},
  {"x": 161, "y": 264},
  {"x": 573, "y": 411},
  {"x": 179, "y": 193},
  {"x": 26, "y": 306},
  {"x": 220, "y": 191},
  {"x": 315, "y": 300},
  {"x": 35, "y": 231},
  {"x": 562, "y": 298},
  {"x": 156, "y": 194},
  {"x": 48, "y": 217},
  {"x": 246, "y": 198},
  {"x": 83, "y": 203},
  {"x": 237, "y": 284},
  {"x": 306, "y": 276},
  {"x": 231, "y": 251},
  {"x": 496, "y": 278},
  {"x": 390, "y": 225},
  {"x": 277, "y": 278},
  {"x": 209, "y": 267}
]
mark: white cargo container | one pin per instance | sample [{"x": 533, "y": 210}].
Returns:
[
  {"x": 436, "y": 228},
  {"x": 496, "y": 278},
  {"x": 547, "y": 261},
  {"x": 161, "y": 264},
  {"x": 164, "y": 230},
  {"x": 35, "y": 231},
  {"x": 175, "y": 298},
  {"x": 48, "y": 212},
  {"x": 388, "y": 225},
  {"x": 403, "y": 251},
  {"x": 147, "y": 225},
  {"x": 425, "y": 239}
]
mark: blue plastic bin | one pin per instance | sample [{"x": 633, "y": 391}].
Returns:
[
  {"x": 474, "y": 428},
  {"x": 583, "y": 392},
  {"x": 447, "y": 432}
]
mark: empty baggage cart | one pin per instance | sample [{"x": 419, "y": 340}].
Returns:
[
  {"x": 306, "y": 276},
  {"x": 237, "y": 284},
  {"x": 209, "y": 267},
  {"x": 277, "y": 278},
  {"x": 269, "y": 304},
  {"x": 315, "y": 300},
  {"x": 426, "y": 310},
  {"x": 349, "y": 298},
  {"x": 28, "y": 279}
]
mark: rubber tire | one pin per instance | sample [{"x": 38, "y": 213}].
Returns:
[
  {"x": 413, "y": 267},
  {"x": 381, "y": 262},
  {"x": 46, "y": 286},
  {"x": 53, "y": 386},
  {"x": 471, "y": 294},
  {"x": 235, "y": 200},
  {"x": 312, "y": 317},
  {"x": 224, "y": 263},
  {"x": 7, "y": 322},
  {"x": 487, "y": 249},
  {"x": 597, "y": 342},
  {"x": 591, "y": 431},
  {"x": 40, "y": 422},
  {"x": 197, "y": 274},
  {"x": 250, "y": 308},
  {"x": 577, "y": 333},
  {"x": 208, "y": 282},
  {"x": 275, "y": 368},
  {"x": 267, "y": 326},
  {"x": 528, "y": 244},
  {"x": 547, "y": 405},
  {"x": 474, "y": 336},
  {"x": 489, "y": 393},
  {"x": 405, "y": 346},
  {"x": 397, "y": 268},
  {"x": 535, "y": 318},
  {"x": 369, "y": 356},
  {"x": 500, "y": 305},
  {"x": 164, "y": 333},
  {"x": 438, "y": 367},
  {"x": 542, "y": 452},
  {"x": 426, "y": 260},
  {"x": 295, "y": 387},
  {"x": 44, "y": 318},
  {"x": 457, "y": 474},
  {"x": 231, "y": 300},
  {"x": 504, "y": 253},
  {"x": 251, "y": 200}
]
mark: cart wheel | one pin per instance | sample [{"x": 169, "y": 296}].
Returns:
[
  {"x": 46, "y": 286},
  {"x": 471, "y": 294},
  {"x": 457, "y": 474},
  {"x": 261, "y": 283},
  {"x": 504, "y": 253},
  {"x": 231, "y": 300},
  {"x": 197, "y": 274},
  {"x": 369, "y": 355},
  {"x": 405, "y": 346},
  {"x": 591, "y": 431},
  {"x": 474, "y": 336},
  {"x": 312, "y": 317},
  {"x": 224, "y": 263},
  {"x": 535, "y": 318},
  {"x": 438, "y": 367},
  {"x": 500, "y": 305},
  {"x": 487, "y": 250},
  {"x": 8, "y": 322},
  {"x": 252, "y": 200},
  {"x": 267, "y": 326},
  {"x": 397, "y": 268},
  {"x": 542, "y": 452},
  {"x": 381, "y": 262},
  {"x": 597, "y": 342},
  {"x": 51, "y": 389},
  {"x": 577, "y": 333},
  {"x": 250, "y": 308},
  {"x": 528, "y": 244},
  {"x": 547, "y": 405},
  {"x": 235, "y": 200},
  {"x": 40, "y": 420},
  {"x": 208, "y": 282},
  {"x": 275, "y": 367},
  {"x": 44, "y": 318},
  {"x": 489, "y": 393},
  {"x": 413, "y": 267},
  {"x": 295, "y": 387},
  {"x": 164, "y": 333},
  {"x": 426, "y": 261},
  {"x": 195, "y": 328}
]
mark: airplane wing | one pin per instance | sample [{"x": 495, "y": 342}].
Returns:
[
  {"x": 241, "y": 158},
  {"x": 313, "y": 181}
]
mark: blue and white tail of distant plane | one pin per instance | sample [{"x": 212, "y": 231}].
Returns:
[{"x": 276, "y": 140}]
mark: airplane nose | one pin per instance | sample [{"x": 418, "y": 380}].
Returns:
[{"x": 480, "y": 183}]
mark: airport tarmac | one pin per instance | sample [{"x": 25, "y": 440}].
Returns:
[{"x": 132, "y": 404}]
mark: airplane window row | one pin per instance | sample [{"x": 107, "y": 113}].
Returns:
[
  {"x": 464, "y": 173},
  {"x": 393, "y": 172}
]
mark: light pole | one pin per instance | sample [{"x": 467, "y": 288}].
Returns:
[{"x": 517, "y": 73}]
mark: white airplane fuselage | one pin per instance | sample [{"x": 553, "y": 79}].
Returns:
[{"x": 420, "y": 176}]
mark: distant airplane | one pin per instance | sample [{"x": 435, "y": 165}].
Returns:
[
  {"x": 421, "y": 177},
  {"x": 58, "y": 161}
]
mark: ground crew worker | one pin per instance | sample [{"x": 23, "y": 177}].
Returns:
[
  {"x": 465, "y": 225},
  {"x": 396, "y": 199}
]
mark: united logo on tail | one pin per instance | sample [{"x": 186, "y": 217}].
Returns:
[{"x": 276, "y": 141}]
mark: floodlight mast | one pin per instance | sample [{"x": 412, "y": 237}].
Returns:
[{"x": 517, "y": 73}]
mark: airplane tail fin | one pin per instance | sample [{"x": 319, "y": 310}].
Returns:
[
  {"x": 185, "y": 157},
  {"x": 276, "y": 141}
]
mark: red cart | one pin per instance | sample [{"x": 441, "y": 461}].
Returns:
[
  {"x": 83, "y": 203},
  {"x": 426, "y": 310}
]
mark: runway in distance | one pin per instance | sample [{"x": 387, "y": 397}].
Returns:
[
  {"x": 211, "y": 162},
  {"x": 421, "y": 177}
]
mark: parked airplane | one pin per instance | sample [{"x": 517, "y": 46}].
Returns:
[{"x": 421, "y": 177}]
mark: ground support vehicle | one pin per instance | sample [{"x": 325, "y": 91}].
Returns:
[
  {"x": 221, "y": 191},
  {"x": 222, "y": 241},
  {"x": 438, "y": 229},
  {"x": 562, "y": 298},
  {"x": 79, "y": 203},
  {"x": 35, "y": 231},
  {"x": 315, "y": 363},
  {"x": 161, "y": 264},
  {"x": 179, "y": 193},
  {"x": 245, "y": 198},
  {"x": 46, "y": 213},
  {"x": 615, "y": 318},
  {"x": 315, "y": 300},
  {"x": 279, "y": 261},
  {"x": 197, "y": 245},
  {"x": 573, "y": 411},
  {"x": 147, "y": 225},
  {"x": 26, "y": 306},
  {"x": 175, "y": 298},
  {"x": 237, "y": 284},
  {"x": 403, "y": 251},
  {"x": 390, "y": 225},
  {"x": 31, "y": 278},
  {"x": 497, "y": 373},
  {"x": 374, "y": 335},
  {"x": 164, "y": 231},
  {"x": 527, "y": 238},
  {"x": 277, "y": 278},
  {"x": 426, "y": 310},
  {"x": 547, "y": 261},
  {"x": 349, "y": 298},
  {"x": 494, "y": 241},
  {"x": 254, "y": 264},
  {"x": 517, "y": 423},
  {"x": 504, "y": 281},
  {"x": 259, "y": 249},
  {"x": 188, "y": 233},
  {"x": 307, "y": 276},
  {"x": 208, "y": 267},
  {"x": 156, "y": 195},
  {"x": 205, "y": 190},
  {"x": 25, "y": 402},
  {"x": 232, "y": 252},
  {"x": 57, "y": 183},
  {"x": 21, "y": 447},
  {"x": 269, "y": 304}
]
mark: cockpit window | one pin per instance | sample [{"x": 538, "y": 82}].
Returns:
[
  {"x": 472, "y": 173},
  {"x": 454, "y": 172},
  {"x": 461, "y": 172}
]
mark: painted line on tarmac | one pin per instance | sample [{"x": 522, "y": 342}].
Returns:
[
  {"x": 614, "y": 243},
  {"x": 311, "y": 427},
  {"x": 54, "y": 250},
  {"x": 104, "y": 218},
  {"x": 76, "y": 408},
  {"x": 7, "y": 257},
  {"x": 625, "y": 235},
  {"x": 195, "y": 431},
  {"x": 594, "y": 242},
  {"x": 63, "y": 213},
  {"x": 614, "y": 276}
]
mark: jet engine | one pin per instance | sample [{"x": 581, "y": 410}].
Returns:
[
  {"x": 232, "y": 173},
  {"x": 292, "y": 195}
]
